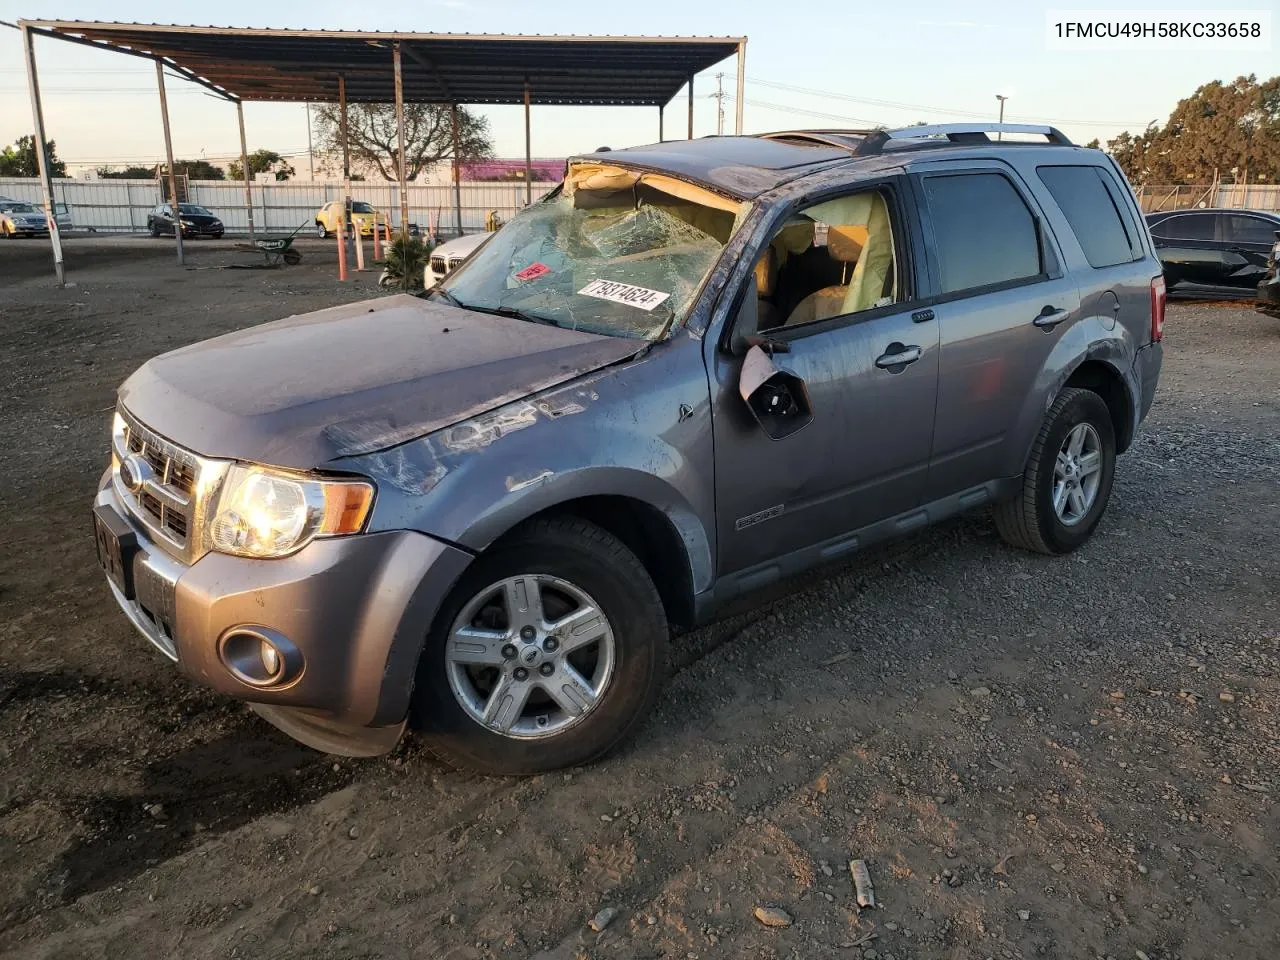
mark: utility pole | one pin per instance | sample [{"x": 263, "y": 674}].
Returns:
[
  {"x": 1002, "y": 98},
  {"x": 719, "y": 95}
]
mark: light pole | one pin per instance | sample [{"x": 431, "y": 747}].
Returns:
[{"x": 1002, "y": 98}]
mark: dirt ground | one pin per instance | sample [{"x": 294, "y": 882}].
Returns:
[{"x": 1071, "y": 757}]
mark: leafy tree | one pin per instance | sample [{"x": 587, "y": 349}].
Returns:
[
  {"x": 262, "y": 161},
  {"x": 198, "y": 170},
  {"x": 371, "y": 129},
  {"x": 1231, "y": 129},
  {"x": 19, "y": 160},
  {"x": 127, "y": 173},
  {"x": 191, "y": 169}
]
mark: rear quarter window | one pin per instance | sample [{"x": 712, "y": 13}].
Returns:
[{"x": 1094, "y": 211}]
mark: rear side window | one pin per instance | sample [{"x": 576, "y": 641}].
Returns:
[
  {"x": 1092, "y": 212},
  {"x": 1186, "y": 226},
  {"x": 984, "y": 231},
  {"x": 1246, "y": 229}
]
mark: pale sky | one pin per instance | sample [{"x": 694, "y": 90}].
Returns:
[{"x": 845, "y": 64}]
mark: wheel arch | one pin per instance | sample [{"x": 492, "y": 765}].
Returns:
[
  {"x": 1104, "y": 380},
  {"x": 647, "y": 531}
]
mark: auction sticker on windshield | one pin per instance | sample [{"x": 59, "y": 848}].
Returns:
[
  {"x": 632, "y": 296},
  {"x": 533, "y": 271}
]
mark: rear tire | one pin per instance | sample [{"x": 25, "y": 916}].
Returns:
[
  {"x": 1034, "y": 520},
  {"x": 566, "y": 558}
]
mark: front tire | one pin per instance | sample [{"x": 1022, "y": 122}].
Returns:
[
  {"x": 1067, "y": 480},
  {"x": 549, "y": 653},
  {"x": 322, "y": 231},
  {"x": 153, "y": 229}
]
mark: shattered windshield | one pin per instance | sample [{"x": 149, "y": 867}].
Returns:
[{"x": 625, "y": 263}]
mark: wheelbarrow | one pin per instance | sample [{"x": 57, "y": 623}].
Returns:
[{"x": 276, "y": 250}]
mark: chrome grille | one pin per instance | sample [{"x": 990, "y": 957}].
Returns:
[{"x": 172, "y": 494}]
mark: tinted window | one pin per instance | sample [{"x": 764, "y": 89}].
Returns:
[
  {"x": 1092, "y": 213},
  {"x": 1187, "y": 226},
  {"x": 1244, "y": 229},
  {"x": 359, "y": 206},
  {"x": 984, "y": 231}
]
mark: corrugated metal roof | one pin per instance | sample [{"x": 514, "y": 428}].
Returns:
[{"x": 304, "y": 65}]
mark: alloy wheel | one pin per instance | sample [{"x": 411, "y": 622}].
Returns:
[{"x": 530, "y": 656}]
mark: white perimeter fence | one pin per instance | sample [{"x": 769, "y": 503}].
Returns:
[{"x": 121, "y": 206}]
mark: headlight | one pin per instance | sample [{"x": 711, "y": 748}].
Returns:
[
  {"x": 187, "y": 223},
  {"x": 262, "y": 513}
]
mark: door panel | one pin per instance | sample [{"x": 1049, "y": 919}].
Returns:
[
  {"x": 1004, "y": 303},
  {"x": 992, "y": 354},
  {"x": 863, "y": 458}
]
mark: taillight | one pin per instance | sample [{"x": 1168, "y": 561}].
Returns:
[{"x": 1158, "y": 298}]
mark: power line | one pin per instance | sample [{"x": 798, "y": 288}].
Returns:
[{"x": 898, "y": 105}]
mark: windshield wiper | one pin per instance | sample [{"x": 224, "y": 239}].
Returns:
[{"x": 449, "y": 297}]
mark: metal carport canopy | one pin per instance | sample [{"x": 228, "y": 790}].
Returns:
[
  {"x": 303, "y": 65},
  {"x": 244, "y": 64}
]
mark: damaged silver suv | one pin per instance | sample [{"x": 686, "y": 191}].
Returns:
[{"x": 694, "y": 368}]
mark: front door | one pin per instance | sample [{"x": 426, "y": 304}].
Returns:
[{"x": 835, "y": 293}]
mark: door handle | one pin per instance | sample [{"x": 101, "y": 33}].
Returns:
[
  {"x": 1050, "y": 317},
  {"x": 899, "y": 357}
]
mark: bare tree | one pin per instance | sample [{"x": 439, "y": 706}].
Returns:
[{"x": 371, "y": 130}]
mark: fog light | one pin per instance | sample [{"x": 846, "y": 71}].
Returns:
[
  {"x": 259, "y": 657},
  {"x": 270, "y": 659}
]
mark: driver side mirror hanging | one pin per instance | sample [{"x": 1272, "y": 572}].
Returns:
[{"x": 778, "y": 400}]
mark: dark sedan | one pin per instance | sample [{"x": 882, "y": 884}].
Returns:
[
  {"x": 196, "y": 221},
  {"x": 1221, "y": 248}
]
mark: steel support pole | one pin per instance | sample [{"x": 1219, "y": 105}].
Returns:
[
  {"x": 42, "y": 157},
  {"x": 346, "y": 155},
  {"x": 691, "y": 106},
  {"x": 244, "y": 168},
  {"x": 404, "y": 190},
  {"x": 742, "y": 82},
  {"x": 528, "y": 147},
  {"x": 660, "y": 109},
  {"x": 168, "y": 154},
  {"x": 457, "y": 171},
  {"x": 311, "y": 157}
]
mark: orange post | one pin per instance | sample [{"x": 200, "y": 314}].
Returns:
[
  {"x": 359, "y": 246},
  {"x": 377, "y": 254},
  {"x": 342, "y": 253}
]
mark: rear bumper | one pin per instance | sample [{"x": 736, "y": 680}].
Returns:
[
  {"x": 352, "y": 614},
  {"x": 1146, "y": 370}
]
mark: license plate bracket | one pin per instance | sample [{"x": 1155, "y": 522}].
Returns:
[{"x": 117, "y": 546}]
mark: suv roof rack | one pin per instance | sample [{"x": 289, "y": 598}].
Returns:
[{"x": 944, "y": 134}]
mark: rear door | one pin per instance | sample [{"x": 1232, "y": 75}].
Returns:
[
  {"x": 1249, "y": 237},
  {"x": 1002, "y": 301}
]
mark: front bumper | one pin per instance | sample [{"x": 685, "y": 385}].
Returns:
[
  {"x": 355, "y": 609},
  {"x": 24, "y": 230},
  {"x": 1268, "y": 297}
]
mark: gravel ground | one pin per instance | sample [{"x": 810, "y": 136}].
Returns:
[{"x": 1070, "y": 757}]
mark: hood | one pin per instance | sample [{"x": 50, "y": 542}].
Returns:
[{"x": 353, "y": 379}]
